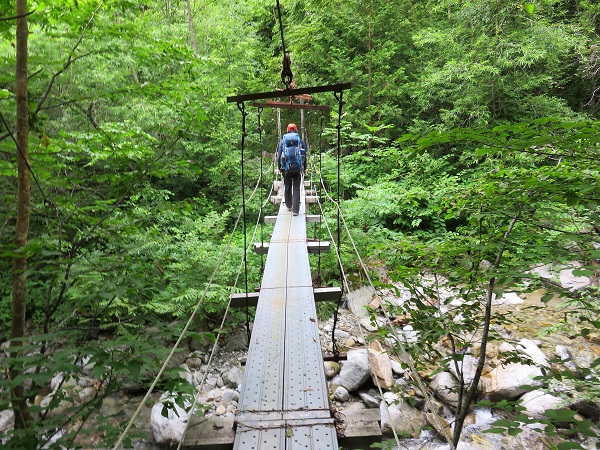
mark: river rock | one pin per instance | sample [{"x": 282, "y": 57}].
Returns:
[
  {"x": 537, "y": 402},
  {"x": 445, "y": 386},
  {"x": 563, "y": 275},
  {"x": 214, "y": 395},
  {"x": 380, "y": 366},
  {"x": 369, "y": 400},
  {"x": 233, "y": 377},
  {"x": 507, "y": 299},
  {"x": 505, "y": 380},
  {"x": 341, "y": 394},
  {"x": 565, "y": 355},
  {"x": 7, "y": 420},
  {"x": 358, "y": 299},
  {"x": 355, "y": 370},
  {"x": 168, "y": 430},
  {"x": 230, "y": 396},
  {"x": 529, "y": 348},
  {"x": 332, "y": 368},
  {"x": 404, "y": 419}
]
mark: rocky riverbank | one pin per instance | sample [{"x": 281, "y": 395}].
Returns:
[{"x": 421, "y": 421}]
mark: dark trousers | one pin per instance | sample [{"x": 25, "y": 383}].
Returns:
[{"x": 292, "y": 191}]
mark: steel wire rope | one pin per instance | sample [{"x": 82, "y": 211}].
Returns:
[
  {"x": 214, "y": 347},
  {"x": 185, "y": 329},
  {"x": 406, "y": 357},
  {"x": 404, "y": 353},
  {"x": 345, "y": 283}
]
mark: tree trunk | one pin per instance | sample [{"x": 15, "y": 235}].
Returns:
[
  {"x": 191, "y": 25},
  {"x": 23, "y": 200}
]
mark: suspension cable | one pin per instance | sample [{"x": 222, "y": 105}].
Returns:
[
  {"x": 215, "y": 344},
  {"x": 346, "y": 290},
  {"x": 404, "y": 354}
]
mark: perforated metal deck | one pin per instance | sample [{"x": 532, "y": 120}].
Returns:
[{"x": 283, "y": 402}]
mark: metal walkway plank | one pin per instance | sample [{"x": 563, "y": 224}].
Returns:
[{"x": 283, "y": 402}]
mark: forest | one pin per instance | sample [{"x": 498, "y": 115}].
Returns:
[{"x": 470, "y": 142}]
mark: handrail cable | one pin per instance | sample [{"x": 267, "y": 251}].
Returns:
[
  {"x": 362, "y": 334},
  {"x": 184, "y": 331},
  {"x": 406, "y": 357},
  {"x": 404, "y": 354},
  {"x": 214, "y": 347}
]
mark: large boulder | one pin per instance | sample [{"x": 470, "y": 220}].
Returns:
[
  {"x": 563, "y": 275},
  {"x": 401, "y": 417},
  {"x": 506, "y": 381}
]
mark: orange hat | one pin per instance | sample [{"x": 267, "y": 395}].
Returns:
[{"x": 292, "y": 127}]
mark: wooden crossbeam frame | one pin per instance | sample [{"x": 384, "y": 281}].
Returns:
[
  {"x": 288, "y": 105},
  {"x": 289, "y": 92}
]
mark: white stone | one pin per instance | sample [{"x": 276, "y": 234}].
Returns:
[
  {"x": 169, "y": 430},
  {"x": 537, "y": 402},
  {"x": 530, "y": 349},
  {"x": 341, "y": 334},
  {"x": 355, "y": 370},
  {"x": 563, "y": 275},
  {"x": 397, "y": 367},
  {"x": 505, "y": 381},
  {"x": 508, "y": 298},
  {"x": 445, "y": 386},
  {"x": 7, "y": 420},
  {"x": 367, "y": 324},
  {"x": 390, "y": 397},
  {"x": 357, "y": 300},
  {"x": 341, "y": 394}
]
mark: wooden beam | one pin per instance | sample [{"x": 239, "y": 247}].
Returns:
[
  {"x": 322, "y": 294},
  {"x": 310, "y": 218},
  {"x": 313, "y": 247},
  {"x": 289, "y": 92},
  {"x": 288, "y": 105}
]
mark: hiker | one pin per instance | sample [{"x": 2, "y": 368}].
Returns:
[{"x": 291, "y": 160}]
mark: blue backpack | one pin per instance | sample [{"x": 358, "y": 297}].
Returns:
[{"x": 291, "y": 156}]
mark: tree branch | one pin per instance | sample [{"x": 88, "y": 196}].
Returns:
[
  {"x": 69, "y": 61},
  {"x": 20, "y": 16}
]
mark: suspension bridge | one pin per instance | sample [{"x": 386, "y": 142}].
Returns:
[{"x": 284, "y": 399}]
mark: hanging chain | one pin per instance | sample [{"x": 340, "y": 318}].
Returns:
[{"x": 287, "y": 76}]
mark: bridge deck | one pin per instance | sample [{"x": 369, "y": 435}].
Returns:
[{"x": 283, "y": 402}]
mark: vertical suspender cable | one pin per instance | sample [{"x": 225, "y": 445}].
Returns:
[
  {"x": 242, "y": 109},
  {"x": 320, "y": 175},
  {"x": 261, "y": 218},
  {"x": 339, "y": 228}
]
